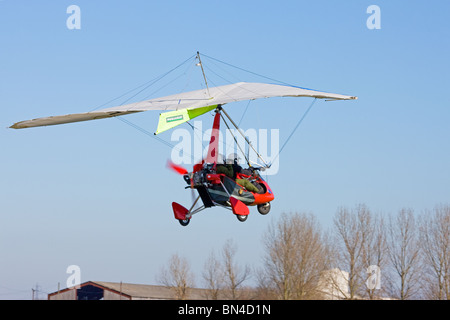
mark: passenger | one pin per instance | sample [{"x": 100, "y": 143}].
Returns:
[
  {"x": 247, "y": 185},
  {"x": 231, "y": 168}
]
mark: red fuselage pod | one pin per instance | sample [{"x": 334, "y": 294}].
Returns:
[{"x": 263, "y": 198}]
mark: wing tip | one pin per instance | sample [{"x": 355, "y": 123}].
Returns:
[{"x": 15, "y": 126}]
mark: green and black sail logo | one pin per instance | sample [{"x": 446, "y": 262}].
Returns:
[{"x": 174, "y": 118}]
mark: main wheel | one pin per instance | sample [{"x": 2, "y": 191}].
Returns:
[
  {"x": 184, "y": 222},
  {"x": 241, "y": 218},
  {"x": 264, "y": 208}
]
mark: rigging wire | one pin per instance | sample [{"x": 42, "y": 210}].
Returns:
[
  {"x": 243, "y": 114},
  {"x": 245, "y": 111},
  {"x": 170, "y": 145},
  {"x": 218, "y": 75},
  {"x": 164, "y": 86},
  {"x": 235, "y": 140},
  {"x": 146, "y": 84},
  {"x": 293, "y": 131},
  {"x": 248, "y": 71},
  {"x": 199, "y": 137},
  {"x": 245, "y": 138},
  {"x": 224, "y": 71},
  {"x": 158, "y": 79},
  {"x": 150, "y": 134}
]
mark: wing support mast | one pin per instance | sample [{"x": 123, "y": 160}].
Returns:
[
  {"x": 203, "y": 71},
  {"x": 266, "y": 165}
]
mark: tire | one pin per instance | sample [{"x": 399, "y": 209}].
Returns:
[
  {"x": 185, "y": 222},
  {"x": 264, "y": 208},
  {"x": 241, "y": 218}
]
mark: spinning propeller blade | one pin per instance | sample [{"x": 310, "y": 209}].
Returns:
[{"x": 178, "y": 169}]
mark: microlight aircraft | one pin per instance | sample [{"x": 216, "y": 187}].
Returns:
[{"x": 218, "y": 184}]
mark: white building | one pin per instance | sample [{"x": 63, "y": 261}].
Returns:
[{"x": 333, "y": 284}]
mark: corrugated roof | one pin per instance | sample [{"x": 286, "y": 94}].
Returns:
[
  {"x": 142, "y": 291},
  {"x": 138, "y": 290}
]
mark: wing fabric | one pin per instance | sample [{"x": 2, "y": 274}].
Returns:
[
  {"x": 171, "y": 119},
  {"x": 189, "y": 100},
  {"x": 69, "y": 118}
]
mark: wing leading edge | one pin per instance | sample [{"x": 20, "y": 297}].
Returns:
[{"x": 188, "y": 100}]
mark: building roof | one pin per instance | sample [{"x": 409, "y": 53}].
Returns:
[{"x": 139, "y": 291}]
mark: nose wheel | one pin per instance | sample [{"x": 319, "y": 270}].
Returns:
[{"x": 185, "y": 222}]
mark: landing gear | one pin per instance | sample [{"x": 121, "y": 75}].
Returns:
[
  {"x": 264, "y": 208},
  {"x": 185, "y": 222},
  {"x": 241, "y": 218}
]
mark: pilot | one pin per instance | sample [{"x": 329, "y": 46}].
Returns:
[
  {"x": 225, "y": 168},
  {"x": 233, "y": 160}
]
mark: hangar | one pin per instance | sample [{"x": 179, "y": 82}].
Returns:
[{"x": 99, "y": 290}]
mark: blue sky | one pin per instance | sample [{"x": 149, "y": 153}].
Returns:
[{"x": 97, "y": 194}]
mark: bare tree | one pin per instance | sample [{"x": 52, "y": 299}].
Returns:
[
  {"x": 435, "y": 243},
  {"x": 177, "y": 276},
  {"x": 280, "y": 243},
  {"x": 213, "y": 277},
  {"x": 233, "y": 274},
  {"x": 295, "y": 257},
  {"x": 353, "y": 232},
  {"x": 404, "y": 255},
  {"x": 374, "y": 256}
]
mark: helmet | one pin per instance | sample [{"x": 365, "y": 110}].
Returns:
[{"x": 232, "y": 158}]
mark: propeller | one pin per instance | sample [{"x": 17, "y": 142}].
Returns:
[
  {"x": 178, "y": 169},
  {"x": 182, "y": 171}
]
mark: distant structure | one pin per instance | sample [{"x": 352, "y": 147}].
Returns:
[
  {"x": 98, "y": 290},
  {"x": 333, "y": 284}
]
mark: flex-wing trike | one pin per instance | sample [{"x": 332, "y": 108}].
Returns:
[{"x": 216, "y": 189}]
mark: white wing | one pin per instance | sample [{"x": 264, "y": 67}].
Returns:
[{"x": 193, "y": 99}]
